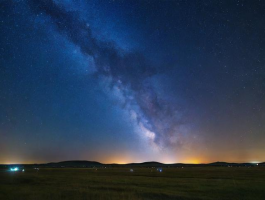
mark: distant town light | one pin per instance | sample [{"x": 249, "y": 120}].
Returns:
[
  {"x": 14, "y": 169},
  {"x": 159, "y": 169}
]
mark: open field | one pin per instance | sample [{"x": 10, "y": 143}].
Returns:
[{"x": 144, "y": 183}]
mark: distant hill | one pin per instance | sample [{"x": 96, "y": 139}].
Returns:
[
  {"x": 151, "y": 163},
  {"x": 75, "y": 163},
  {"x": 221, "y": 163},
  {"x": 235, "y": 164}
]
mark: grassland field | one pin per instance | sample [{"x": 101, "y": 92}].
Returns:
[{"x": 209, "y": 183}]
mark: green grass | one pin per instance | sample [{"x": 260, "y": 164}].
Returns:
[{"x": 187, "y": 183}]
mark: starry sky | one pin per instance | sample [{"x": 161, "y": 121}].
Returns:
[{"x": 124, "y": 81}]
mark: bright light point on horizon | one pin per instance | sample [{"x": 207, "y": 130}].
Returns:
[{"x": 14, "y": 169}]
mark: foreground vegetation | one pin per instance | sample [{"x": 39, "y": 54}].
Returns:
[{"x": 143, "y": 183}]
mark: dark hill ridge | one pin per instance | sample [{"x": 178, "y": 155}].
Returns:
[
  {"x": 75, "y": 163},
  {"x": 221, "y": 164},
  {"x": 150, "y": 163},
  {"x": 235, "y": 164},
  {"x": 94, "y": 164}
]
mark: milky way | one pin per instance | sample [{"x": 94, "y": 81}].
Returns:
[
  {"x": 131, "y": 81},
  {"x": 128, "y": 71}
]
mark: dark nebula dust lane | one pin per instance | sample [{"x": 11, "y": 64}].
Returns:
[{"x": 130, "y": 81}]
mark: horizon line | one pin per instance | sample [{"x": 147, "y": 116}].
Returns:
[{"x": 252, "y": 162}]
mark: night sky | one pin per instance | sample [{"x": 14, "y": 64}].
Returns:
[{"x": 132, "y": 81}]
